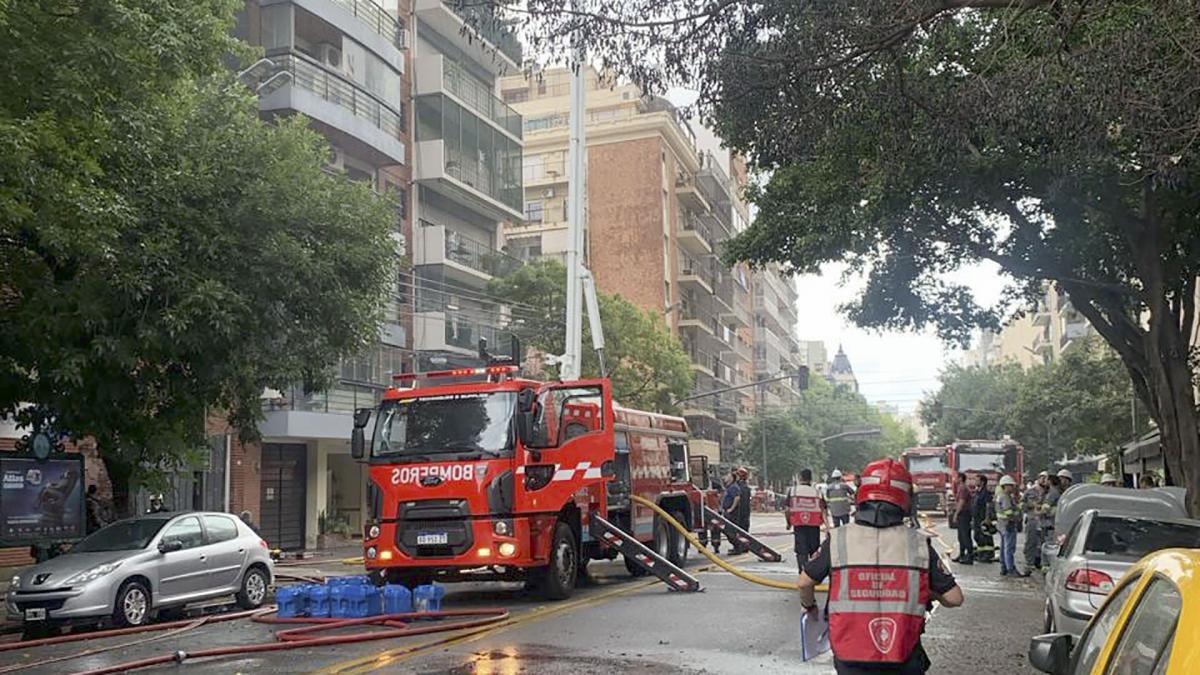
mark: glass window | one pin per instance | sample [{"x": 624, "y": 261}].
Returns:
[
  {"x": 564, "y": 413},
  {"x": 276, "y": 29},
  {"x": 1134, "y": 538},
  {"x": 455, "y": 423},
  {"x": 186, "y": 531},
  {"x": 534, "y": 211},
  {"x": 123, "y": 535},
  {"x": 1069, "y": 540},
  {"x": 1096, "y": 634},
  {"x": 1149, "y": 630},
  {"x": 220, "y": 528}
]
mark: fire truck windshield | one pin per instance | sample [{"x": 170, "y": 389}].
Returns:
[
  {"x": 415, "y": 429},
  {"x": 981, "y": 461},
  {"x": 925, "y": 464}
]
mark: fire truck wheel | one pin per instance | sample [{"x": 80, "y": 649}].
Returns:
[
  {"x": 556, "y": 581},
  {"x": 679, "y": 543},
  {"x": 662, "y": 538}
]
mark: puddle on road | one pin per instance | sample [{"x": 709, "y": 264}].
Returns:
[{"x": 549, "y": 660}]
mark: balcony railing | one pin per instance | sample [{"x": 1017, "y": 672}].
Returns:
[
  {"x": 479, "y": 175},
  {"x": 379, "y": 20},
  {"x": 330, "y": 86},
  {"x": 474, "y": 254},
  {"x": 344, "y": 397},
  {"x": 692, "y": 266},
  {"x": 690, "y": 223},
  {"x": 482, "y": 19},
  {"x": 480, "y": 98}
]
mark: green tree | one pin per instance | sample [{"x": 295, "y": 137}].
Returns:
[
  {"x": 1078, "y": 405},
  {"x": 789, "y": 447},
  {"x": 163, "y": 252},
  {"x": 646, "y": 363},
  {"x": 894, "y": 437}
]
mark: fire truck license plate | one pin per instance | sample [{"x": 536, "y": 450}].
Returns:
[{"x": 432, "y": 538}]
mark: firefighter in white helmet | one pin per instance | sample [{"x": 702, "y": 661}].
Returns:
[
  {"x": 1008, "y": 521},
  {"x": 882, "y": 577}
]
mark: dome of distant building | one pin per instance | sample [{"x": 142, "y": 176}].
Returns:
[{"x": 840, "y": 371}]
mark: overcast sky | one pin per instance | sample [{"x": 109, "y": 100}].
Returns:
[{"x": 892, "y": 367}]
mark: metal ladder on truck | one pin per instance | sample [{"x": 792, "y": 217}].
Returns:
[
  {"x": 739, "y": 536},
  {"x": 675, "y": 578}
]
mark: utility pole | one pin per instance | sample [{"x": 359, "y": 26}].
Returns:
[
  {"x": 576, "y": 190},
  {"x": 762, "y": 428}
]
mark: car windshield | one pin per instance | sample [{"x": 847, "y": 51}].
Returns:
[
  {"x": 925, "y": 464},
  {"x": 1137, "y": 537},
  {"x": 124, "y": 535},
  {"x": 455, "y": 423},
  {"x": 981, "y": 461}
]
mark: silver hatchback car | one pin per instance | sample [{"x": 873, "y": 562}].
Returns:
[
  {"x": 127, "y": 571},
  {"x": 1097, "y": 551}
]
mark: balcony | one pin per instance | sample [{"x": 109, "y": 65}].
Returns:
[
  {"x": 474, "y": 28},
  {"x": 437, "y": 74},
  {"x": 695, "y": 271},
  {"x": 694, "y": 235},
  {"x": 1073, "y": 331},
  {"x": 688, "y": 192},
  {"x": 337, "y": 102},
  {"x": 465, "y": 259},
  {"x": 443, "y": 331},
  {"x": 367, "y": 13},
  {"x": 1041, "y": 318},
  {"x": 490, "y": 189},
  {"x": 738, "y": 314},
  {"x": 713, "y": 182},
  {"x": 544, "y": 173},
  {"x": 692, "y": 316}
]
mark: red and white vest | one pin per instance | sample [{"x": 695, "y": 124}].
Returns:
[
  {"x": 878, "y": 592},
  {"x": 804, "y": 506}
]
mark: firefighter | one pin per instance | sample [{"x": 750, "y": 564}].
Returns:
[
  {"x": 891, "y": 574},
  {"x": 837, "y": 498},
  {"x": 985, "y": 521},
  {"x": 805, "y": 516},
  {"x": 745, "y": 497},
  {"x": 1032, "y": 504},
  {"x": 1008, "y": 520},
  {"x": 1108, "y": 480}
]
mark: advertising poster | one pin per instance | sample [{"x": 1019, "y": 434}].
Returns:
[{"x": 40, "y": 501}]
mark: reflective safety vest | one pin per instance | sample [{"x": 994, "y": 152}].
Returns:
[
  {"x": 837, "y": 496},
  {"x": 804, "y": 506},
  {"x": 878, "y": 592}
]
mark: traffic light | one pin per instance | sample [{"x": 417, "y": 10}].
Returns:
[{"x": 800, "y": 378}]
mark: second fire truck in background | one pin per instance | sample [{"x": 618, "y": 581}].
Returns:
[{"x": 931, "y": 476}]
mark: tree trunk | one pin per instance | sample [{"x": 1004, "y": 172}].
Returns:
[
  {"x": 1173, "y": 405},
  {"x": 120, "y": 474}
]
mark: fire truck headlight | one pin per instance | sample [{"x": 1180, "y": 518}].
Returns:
[
  {"x": 502, "y": 528},
  {"x": 373, "y": 532},
  {"x": 371, "y": 553},
  {"x": 507, "y": 549}
]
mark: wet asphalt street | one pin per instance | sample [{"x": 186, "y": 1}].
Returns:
[{"x": 613, "y": 624}]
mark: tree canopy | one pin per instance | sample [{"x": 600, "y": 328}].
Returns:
[
  {"x": 1077, "y": 405},
  {"x": 647, "y": 364},
  {"x": 163, "y": 252}
]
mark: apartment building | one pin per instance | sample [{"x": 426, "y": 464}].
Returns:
[
  {"x": 467, "y": 161},
  {"x": 656, "y": 204},
  {"x": 347, "y": 64},
  {"x": 776, "y": 349},
  {"x": 1041, "y": 336}
]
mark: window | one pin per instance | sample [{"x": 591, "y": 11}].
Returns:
[
  {"x": 1069, "y": 540},
  {"x": 1096, "y": 634},
  {"x": 220, "y": 528},
  {"x": 186, "y": 531},
  {"x": 1134, "y": 538},
  {"x": 564, "y": 413},
  {"x": 535, "y": 211},
  {"x": 1149, "y": 631}
]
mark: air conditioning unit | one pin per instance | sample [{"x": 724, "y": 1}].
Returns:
[
  {"x": 337, "y": 158},
  {"x": 548, "y": 192},
  {"x": 330, "y": 55}
]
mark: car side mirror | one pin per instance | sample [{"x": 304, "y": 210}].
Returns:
[
  {"x": 525, "y": 400},
  {"x": 358, "y": 443},
  {"x": 170, "y": 546},
  {"x": 1051, "y": 653}
]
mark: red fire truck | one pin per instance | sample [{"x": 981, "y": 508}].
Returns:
[
  {"x": 931, "y": 478},
  {"x": 485, "y": 475},
  {"x": 987, "y": 457}
]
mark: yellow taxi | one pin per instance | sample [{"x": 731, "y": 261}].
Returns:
[{"x": 1149, "y": 625}]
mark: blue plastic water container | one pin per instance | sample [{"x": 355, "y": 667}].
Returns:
[
  {"x": 318, "y": 601},
  {"x": 397, "y": 599},
  {"x": 292, "y": 602},
  {"x": 428, "y": 598},
  {"x": 374, "y": 599},
  {"x": 353, "y": 580},
  {"x": 341, "y": 601}
]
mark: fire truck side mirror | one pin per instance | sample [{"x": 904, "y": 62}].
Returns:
[
  {"x": 361, "y": 417},
  {"x": 357, "y": 443}
]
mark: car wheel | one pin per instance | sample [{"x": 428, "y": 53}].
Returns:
[
  {"x": 133, "y": 604},
  {"x": 254, "y": 589},
  {"x": 557, "y": 580}
]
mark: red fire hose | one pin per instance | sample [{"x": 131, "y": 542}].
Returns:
[{"x": 306, "y": 636}]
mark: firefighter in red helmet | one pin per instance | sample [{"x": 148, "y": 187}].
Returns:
[{"x": 882, "y": 577}]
